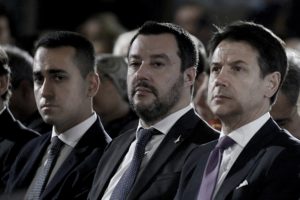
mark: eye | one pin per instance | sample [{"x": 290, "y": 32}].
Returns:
[
  {"x": 157, "y": 64},
  {"x": 58, "y": 78},
  {"x": 134, "y": 64},
  {"x": 38, "y": 79},
  {"x": 215, "y": 69},
  {"x": 237, "y": 68}
]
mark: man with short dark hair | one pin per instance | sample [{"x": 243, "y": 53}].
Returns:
[
  {"x": 253, "y": 158},
  {"x": 145, "y": 163},
  {"x": 61, "y": 164}
]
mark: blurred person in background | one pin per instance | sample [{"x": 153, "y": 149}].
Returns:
[
  {"x": 285, "y": 109},
  {"x": 22, "y": 102},
  {"x": 13, "y": 134},
  {"x": 193, "y": 17},
  {"x": 200, "y": 88},
  {"x": 111, "y": 101},
  {"x": 102, "y": 30}
]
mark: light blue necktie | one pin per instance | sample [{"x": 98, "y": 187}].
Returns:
[{"x": 125, "y": 183}]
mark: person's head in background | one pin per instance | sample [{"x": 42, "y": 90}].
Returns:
[
  {"x": 193, "y": 17},
  {"x": 6, "y": 35},
  {"x": 247, "y": 66},
  {"x": 102, "y": 29},
  {"x": 162, "y": 60},
  {"x": 4, "y": 80},
  {"x": 65, "y": 78},
  {"x": 111, "y": 102},
  {"x": 22, "y": 102},
  {"x": 199, "y": 93},
  {"x": 285, "y": 109},
  {"x": 122, "y": 43}
]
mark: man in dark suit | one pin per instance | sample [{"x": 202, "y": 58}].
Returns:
[
  {"x": 65, "y": 81},
  {"x": 248, "y": 64},
  {"x": 13, "y": 134},
  {"x": 161, "y": 71}
]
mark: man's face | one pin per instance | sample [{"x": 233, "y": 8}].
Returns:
[
  {"x": 155, "y": 82},
  {"x": 237, "y": 91},
  {"x": 60, "y": 90},
  {"x": 283, "y": 111}
]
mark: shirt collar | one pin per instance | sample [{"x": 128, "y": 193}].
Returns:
[
  {"x": 166, "y": 124},
  {"x": 244, "y": 134},
  {"x": 73, "y": 135},
  {"x": 1, "y": 111}
]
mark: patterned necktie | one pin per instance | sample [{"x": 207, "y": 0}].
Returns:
[
  {"x": 211, "y": 171},
  {"x": 43, "y": 177},
  {"x": 125, "y": 183}
]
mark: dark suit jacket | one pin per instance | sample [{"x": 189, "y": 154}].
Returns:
[
  {"x": 13, "y": 137},
  {"x": 74, "y": 178},
  {"x": 267, "y": 168},
  {"x": 160, "y": 178}
]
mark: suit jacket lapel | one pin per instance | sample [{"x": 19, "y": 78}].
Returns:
[
  {"x": 114, "y": 159},
  {"x": 246, "y": 161},
  {"x": 92, "y": 139},
  {"x": 175, "y": 137}
]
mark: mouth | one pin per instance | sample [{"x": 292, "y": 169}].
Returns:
[
  {"x": 219, "y": 97},
  {"x": 46, "y": 107},
  {"x": 142, "y": 89}
]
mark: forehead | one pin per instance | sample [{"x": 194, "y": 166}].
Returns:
[
  {"x": 60, "y": 57},
  {"x": 231, "y": 51},
  {"x": 154, "y": 44}
]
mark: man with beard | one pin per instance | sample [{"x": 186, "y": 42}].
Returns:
[{"x": 161, "y": 71}]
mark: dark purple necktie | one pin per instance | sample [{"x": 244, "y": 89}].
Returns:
[
  {"x": 125, "y": 183},
  {"x": 211, "y": 171}
]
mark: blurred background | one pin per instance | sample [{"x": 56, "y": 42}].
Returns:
[{"x": 27, "y": 19}]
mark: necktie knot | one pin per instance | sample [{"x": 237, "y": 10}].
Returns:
[
  {"x": 225, "y": 142},
  {"x": 56, "y": 145},
  {"x": 144, "y": 136}
]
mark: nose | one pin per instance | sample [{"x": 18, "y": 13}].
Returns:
[
  {"x": 143, "y": 72},
  {"x": 46, "y": 89}
]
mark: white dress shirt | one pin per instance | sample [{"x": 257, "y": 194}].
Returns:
[
  {"x": 163, "y": 126},
  {"x": 70, "y": 138},
  {"x": 241, "y": 136}
]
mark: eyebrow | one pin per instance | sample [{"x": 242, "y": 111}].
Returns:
[
  {"x": 155, "y": 56},
  {"x": 50, "y": 71}
]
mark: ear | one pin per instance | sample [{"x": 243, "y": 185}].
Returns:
[
  {"x": 189, "y": 76},
  {"x": 272, "y": 82},
  {"x": 93, "y": 84},
  {"x": 4, "y": 84}
]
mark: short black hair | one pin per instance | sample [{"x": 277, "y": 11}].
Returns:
[
  {"x": 20, "y": 63},
  {"x": 272, "y": 56},
  {"x": 85, "y": 53},
  {"x": 187, "y": 50}
]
